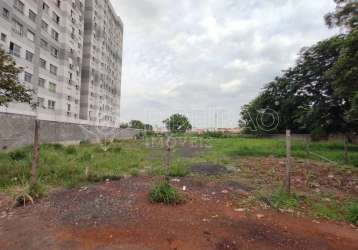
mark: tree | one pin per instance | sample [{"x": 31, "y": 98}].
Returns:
[
  {"x": 345, "y": 15},
  {"x": 304, "y": 96},
  {"x": 344, "y": 75},
  {"x": 10, "y": 89},
  {"x": 177, "y": 123},
  {"x": 124, "y": 125},
  {"x": 136, "y": 124},
  {"x": 148, "y": 127}
]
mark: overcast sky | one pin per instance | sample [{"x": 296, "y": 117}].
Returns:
[{"x": 207, "y": 57}]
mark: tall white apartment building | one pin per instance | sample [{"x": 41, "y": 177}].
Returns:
[
  {"x": 102, "y": 63},
  {"x": 48, "y": 39}
]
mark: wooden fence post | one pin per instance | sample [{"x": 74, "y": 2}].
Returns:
[
  {"x": 288, "y": 161},
  {"x": 36, "y": 153}
]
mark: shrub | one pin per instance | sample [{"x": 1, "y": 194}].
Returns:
[
  {"x": 178, "y": 169},
  {"x": 85, "y": 142},
  {"x": 163, "y": 192},
  {"x": 57, "y": 146},
  {"x": 87, "y": 156},
  {"x": 352, "y": 213},
  {"x": 20, "y": 154},
  {"x": 71, "y": 150},
  {"x": 27, "y": 194},
  {"x": 281, "y": 199},
  {"x": 319, "y": 134},
  {"x": 215, "y": 134}
]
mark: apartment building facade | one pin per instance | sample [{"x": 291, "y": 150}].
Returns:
[
  {"x": 46, "y": 38},
  {"x": 102, "y": 63}
]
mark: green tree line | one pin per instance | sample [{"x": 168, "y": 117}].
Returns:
[{"x": 319, "y": 95}]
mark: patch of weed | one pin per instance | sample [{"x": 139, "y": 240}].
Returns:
[
  {"x": 178, "y": 169},
  {"x": 327, "y": 211},
  {"x": 20, "y": 154},
  {"x": 163, "y": 192},
  {"x": 281, "y": 199},
  {"x": 352, "y": 213}
]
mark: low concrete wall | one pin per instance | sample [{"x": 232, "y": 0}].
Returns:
[{"x": 18, "y": 130}]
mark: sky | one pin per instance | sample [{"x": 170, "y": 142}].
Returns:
[{"x": 208, "y": 58}]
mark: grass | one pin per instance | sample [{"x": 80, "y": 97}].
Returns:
[
  {"x": 232, "y": 147},
  {"x": 179, "y": 168},
  {"x": 73, "y": 165},
  {"x": 163, "y": 192},
  {"x": 281, "y": 199},
  {"x": 352, "y": 212}
]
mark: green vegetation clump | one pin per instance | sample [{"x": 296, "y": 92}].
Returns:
[
  {"x": 71, "y": 150},
  {"x": 72, "y": 166},
  {"x": 178, "y": 169},
  {"x": 263, "y": 147},
  {"x": 215, "y": 134},
  {"x": 20, "y": 154},
  {"x": 331, "y": 211},
  {"x": 281, "y": 199},
  {"x": 352, "y": 213},
  {"x": 163, "y": 192},
  {"x": 319, "y": 134}
]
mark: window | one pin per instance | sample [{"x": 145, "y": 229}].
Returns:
[
  {"x": 3, "y": 37},
  {"x": 45, "y": 8},
  {"x": 51, "y": 104},
  {"x": 41, "y": 102},
  {"x": 32, "y": 16},
  {"x": 53, "y": 69},
  {"x": 55, "y": 18},
  {"x": 43, "y": 44},
  {"x": 28, "y": 77},
  {"x": 68, "y": 107},
  {"x": 54, "y": 52},
  {"x": 17, "y": 27},
  {"x": 15, "y": 49},
  {"x": 54, "y": 34},
  {"x": 52, "y": 87},
  {"x": 5, "y": 13},
  {"x": 43, "y": 63},
  {"x": 44, "y": 26},
  {"x": 42, "y": 82},
  {"x": 29, "y": 56},
  {"x": 18, "y": 5},
  {"x": 30, "y": 35}
]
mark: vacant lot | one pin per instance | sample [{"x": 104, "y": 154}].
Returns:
[{"x": 233, "y": 190}]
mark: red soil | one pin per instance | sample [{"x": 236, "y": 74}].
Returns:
[{"x": 118, "y": 215}]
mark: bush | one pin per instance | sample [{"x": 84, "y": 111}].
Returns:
[
  {"x": 352, "y": 213},
  {"x": 281, "y": 199},
  {"x": 319, "y": 134},
  {"x": 214, "y": 134},
  {"x": 178, "y": 169},
  {"x": 20, "y": 154},
  {"x": 27, "y": 194},
  {"x": 87, "y": 156},
  {"x": 71, "y": 150},
  {"x": 163, "y": 192},
  {"x": 85, "y": 142}
]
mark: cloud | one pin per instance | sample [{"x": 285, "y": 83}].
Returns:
[{"x": 208, "y": 55}]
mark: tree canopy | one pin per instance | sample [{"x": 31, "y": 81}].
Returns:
[
  {"x": 136, "y": 124},
  {"x": 10, "y": 89},
  {"x": 320, "y": 93},
  {"x": 345, "y": 15},
  {"x": 177, "y": 123}
]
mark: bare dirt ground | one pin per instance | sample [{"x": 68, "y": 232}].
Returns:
[{"x": 118, "y": 215}]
